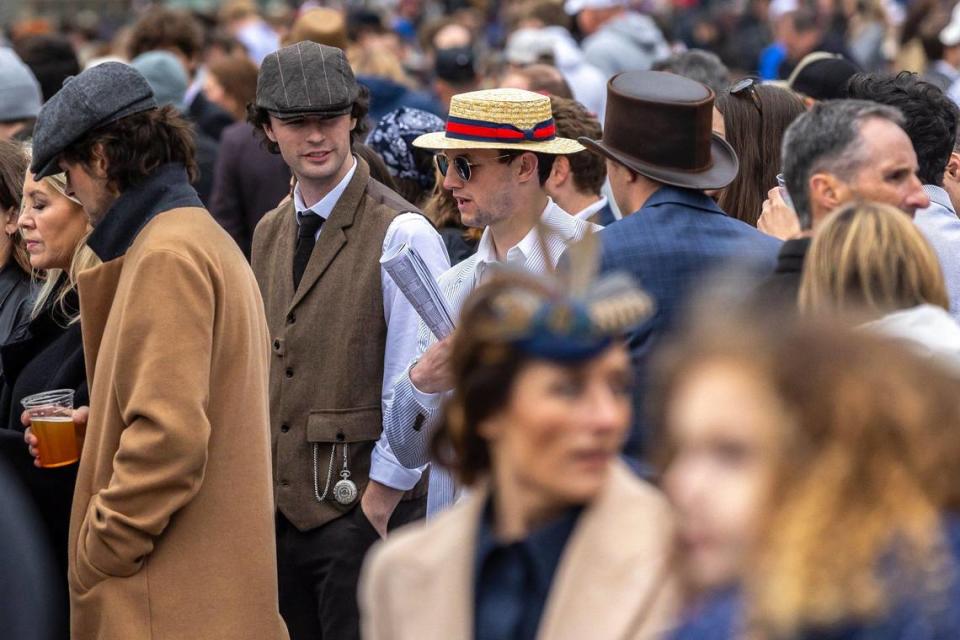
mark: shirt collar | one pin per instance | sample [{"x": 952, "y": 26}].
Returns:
[
  {"x": 325, "y": 206},
  {"x": 939, "y": 196},
  {"x": 168, "y": 187},
  {"x": 521, "y": 252},
  {"x": 588, "y": 212},
  {"x": 543, "y": 547}
]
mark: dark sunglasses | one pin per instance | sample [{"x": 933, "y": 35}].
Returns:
[
  {"x": 461, "y": 164},
  {"x": 748, "y": 86}
]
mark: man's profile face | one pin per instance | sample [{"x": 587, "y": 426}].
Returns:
[
  {"x": 314, "y": 148},
  {"x": 890, "y": 173},
  {"x": 89, "y": 185},
  {"x": 487, "y": 198}
]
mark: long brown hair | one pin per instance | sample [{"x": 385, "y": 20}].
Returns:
[
  {"x": 867, "y": 460},
  {"x": 14, "y": 161},
  {"x": 870, "y": 257},
  {"x": 756, "y": 137}
]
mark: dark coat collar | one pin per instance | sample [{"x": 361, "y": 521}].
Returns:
[
  {"x": 167, "y": 188},
  {"x": 667, "y": 194}
]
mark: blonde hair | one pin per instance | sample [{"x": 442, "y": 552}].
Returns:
[
  {"x": 53, "y": 291},
  {"x": 866, "y": 462},
  {"x": 870, "y": 257}
]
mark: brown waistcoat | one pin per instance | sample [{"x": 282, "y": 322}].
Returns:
[{"x": 328, "y": 340}]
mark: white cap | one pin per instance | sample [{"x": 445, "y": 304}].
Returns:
[
  {"x": 573, "y": 7},
  {"x": 780, "y": 8},
  {"x": 527, "y": 46},
  {"x": 950, "y": 35}
]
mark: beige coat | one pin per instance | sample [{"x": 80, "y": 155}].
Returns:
[
  {"x": 172, "y": 531},
  {"x": 613, "y": 581}
]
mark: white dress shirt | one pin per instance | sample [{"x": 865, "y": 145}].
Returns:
[
  {"x": 402, "y": 321},
  {"x": 410, "y": 419},
  {"x": 590, "y": 211}
]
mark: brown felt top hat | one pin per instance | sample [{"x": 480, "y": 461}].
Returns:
[{"x": 660, "y": 125}]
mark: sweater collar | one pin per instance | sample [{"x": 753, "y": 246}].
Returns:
[{"x": 168, "y": 187}]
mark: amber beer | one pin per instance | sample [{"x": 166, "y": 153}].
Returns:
[{"x": 51, "y": 420}]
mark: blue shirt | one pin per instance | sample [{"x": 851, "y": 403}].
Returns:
[{"x": 512, "y": 581}]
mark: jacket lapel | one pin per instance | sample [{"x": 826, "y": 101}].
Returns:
[
  {"x": 333, "y": 236},
  {"x": 444, "y": 572},
  {"x": 619, "y": 553},
  {"x": 98, "y": 287}
]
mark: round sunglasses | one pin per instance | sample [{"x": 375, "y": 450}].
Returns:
[{"x": 462, "y": 166}]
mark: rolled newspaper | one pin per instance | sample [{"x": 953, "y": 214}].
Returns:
[{"x": 405, "y": 266}]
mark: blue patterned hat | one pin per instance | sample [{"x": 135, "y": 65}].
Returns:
[{"x": 393, "y": 138}]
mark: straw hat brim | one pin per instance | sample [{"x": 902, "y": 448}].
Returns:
[{"x": 438, "y": 141}]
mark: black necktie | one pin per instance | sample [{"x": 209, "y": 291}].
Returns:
[{"x": 306, "y": 239}]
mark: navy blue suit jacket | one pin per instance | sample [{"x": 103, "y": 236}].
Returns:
[{"x": 669, "y": 245}]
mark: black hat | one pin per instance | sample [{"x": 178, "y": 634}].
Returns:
[
  {"x": 98, "y": 96},
  {"x": 822, "y": 76},
  {"x": 456, "y": 65},
  {"x": 306, "y": 78}
]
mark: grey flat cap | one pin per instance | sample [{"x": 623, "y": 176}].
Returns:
[
  {"x": 98, "y": 96},
  {"x": 306, "y": 79}
]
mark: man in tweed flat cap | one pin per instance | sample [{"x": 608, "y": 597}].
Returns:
[
  {"x": 341, "y": 333},
  {"x": 172, "y": 528}
]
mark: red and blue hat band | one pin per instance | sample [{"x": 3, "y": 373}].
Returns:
[{"x": 483, "y": 131}]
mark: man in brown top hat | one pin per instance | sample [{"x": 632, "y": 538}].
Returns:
[
  {"x": 341, "y": 332},
  {"x": 661, "y": 156}
]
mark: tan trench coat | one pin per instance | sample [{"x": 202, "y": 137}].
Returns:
[
  {"x": 172, "y": 530},
  {"x": 614, "y": 581}
]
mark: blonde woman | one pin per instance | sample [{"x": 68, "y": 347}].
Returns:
[
  {"x": 814, "y": 473},
  {"x": 870, "y": 259},
  {"x": 49, "y": 355}
]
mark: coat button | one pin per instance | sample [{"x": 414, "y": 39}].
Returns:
[
  {"x": 291, "y": 318},
  {"x": 276, "y": 345},
  {"x": 284, "y": 483},
  {"x": 284, "y": 428},
  {"x": 289, "y": 372},
  {"x": 340, "y": 437}
]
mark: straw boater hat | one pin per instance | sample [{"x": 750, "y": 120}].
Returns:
[{"x": 500, "y": 119}]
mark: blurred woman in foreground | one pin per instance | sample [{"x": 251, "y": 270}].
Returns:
[
  {"x": 557, "y": 538},
  {"x": 815, "y": 475}
]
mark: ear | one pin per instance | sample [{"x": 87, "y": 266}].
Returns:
[
  {"x": 827, "y": 192},
  {"x": 952, "y": 172},
  {"x": 560, "y": 172},
  {"x": 268, "y": 130},
  {"x": 353, "y": 124},
  {"x": 98, "y": 162},
  {"x": 527, "y": 164}
]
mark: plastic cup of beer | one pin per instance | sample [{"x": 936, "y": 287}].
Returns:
[{"x": 51, "y": 420}]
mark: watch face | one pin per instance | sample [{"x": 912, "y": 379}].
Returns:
[{"x": 345, "y": 491}]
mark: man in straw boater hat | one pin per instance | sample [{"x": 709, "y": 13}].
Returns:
[
  {"x": 341, "y": 333},
  {"x": 496, "y": 154},
  {"x": 661, "y": 156}
]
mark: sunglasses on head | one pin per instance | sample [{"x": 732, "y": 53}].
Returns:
[
  {"x": 748, "y": 87},
  {"x": 462, "y": 165}
]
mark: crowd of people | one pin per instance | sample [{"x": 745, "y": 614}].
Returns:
[{"x": 703, "y": 263}]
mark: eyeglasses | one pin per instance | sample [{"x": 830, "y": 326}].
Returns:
[
  {"x": 462, "y": 165},
  {"x": 748, "y": 86}
]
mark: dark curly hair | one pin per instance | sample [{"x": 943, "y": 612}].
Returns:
[
  {"x": 930, "y": 117},
  {"x": 136, "y": 145},
  {"x": 573, "y": 121},
  {"x": 260, "y": 117}
]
